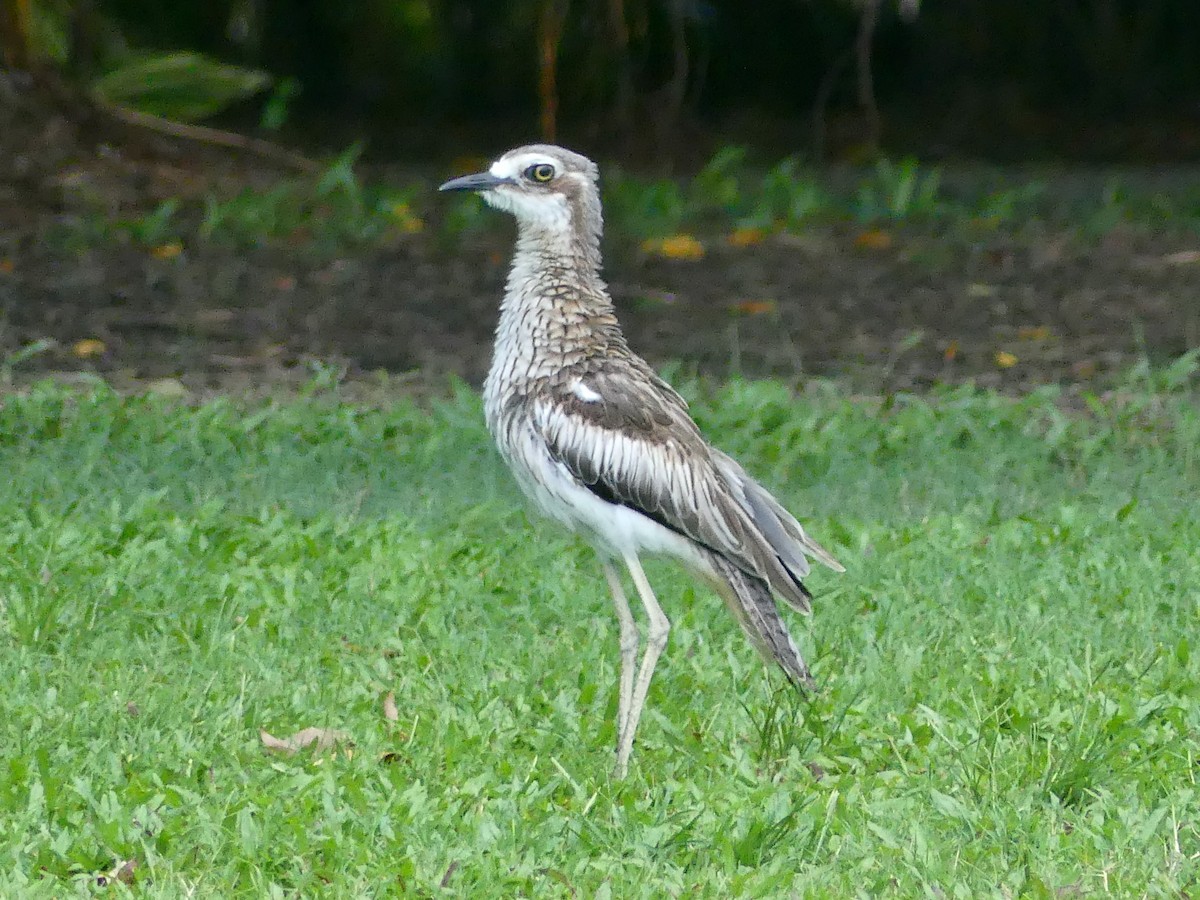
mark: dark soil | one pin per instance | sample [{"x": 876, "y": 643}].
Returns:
[{"x": 1007, "y": 309}]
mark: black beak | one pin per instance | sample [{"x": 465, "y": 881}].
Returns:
[{"x": 484, "y": 181}]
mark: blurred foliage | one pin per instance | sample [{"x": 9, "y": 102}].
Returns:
[
  {"x": 899, "y": 190},
  {"x": 183, "y": 86},
  {"x": 634, "y": 63},
  {"x": 728, "y": 201}
]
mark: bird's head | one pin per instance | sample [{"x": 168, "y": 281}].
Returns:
[{"x": 545, "y": 187}]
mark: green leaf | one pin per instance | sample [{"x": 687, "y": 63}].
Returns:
[{"x": 181, "y": 86}]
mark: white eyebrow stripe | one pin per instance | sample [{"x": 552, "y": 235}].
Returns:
[
  {"x": 585, "y": 393},
  {"x": 515, "y": 165}
]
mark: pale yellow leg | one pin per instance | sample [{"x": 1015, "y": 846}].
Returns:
[
  {"x": 656, "y": 639},
  {"x": 629, "y": 646}
]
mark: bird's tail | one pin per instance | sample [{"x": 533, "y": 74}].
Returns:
[{"x": 750, "y": 599}]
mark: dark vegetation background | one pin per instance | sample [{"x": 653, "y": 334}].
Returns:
[
  {"x": 1001, "y": 79},
  {"x": 1001, "y": 190}
]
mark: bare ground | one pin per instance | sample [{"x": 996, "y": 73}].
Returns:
[{"x": 1009, "y": 308}]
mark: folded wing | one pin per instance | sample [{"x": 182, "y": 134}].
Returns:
[{"x": 632, "y": 442}]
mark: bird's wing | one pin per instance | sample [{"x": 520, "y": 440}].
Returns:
[{"x": 632, "y": 443}]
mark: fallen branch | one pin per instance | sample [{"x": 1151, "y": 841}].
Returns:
[{"x": 205, "y": 135}]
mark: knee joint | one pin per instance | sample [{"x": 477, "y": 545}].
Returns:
[{"x": 657, "y": 633}]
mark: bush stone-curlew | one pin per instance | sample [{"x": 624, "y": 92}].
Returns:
[{"x": 602, "y": 444}]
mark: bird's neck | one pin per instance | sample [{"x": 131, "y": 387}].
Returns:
[{"x": 556, "y": 312}]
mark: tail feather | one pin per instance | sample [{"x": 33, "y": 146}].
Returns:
[
  {"x": 800, "y": 599},
  {"x": 752, "y": 603},
  {"x": 780, "y": 546},
  {"x": 794, "y": 530}
]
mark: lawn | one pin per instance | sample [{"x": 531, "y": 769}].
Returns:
[{"x": 1008, "y": 702}]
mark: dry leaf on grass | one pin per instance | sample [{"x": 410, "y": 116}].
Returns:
[
  {"x": 873, "y": 239},
  {"x": 1005, "y": 360},
  {"x": 167, "y": 387},
  {"x": 321, "y": 739},
  {"x": 7, "y": 266},
  {"x": 88, "y": 348},
  {"x": 167, "y": 251},
  {"x": 124, "y": 872},
  {"x": 1182, "y": 258},
  {"x": 746, "y": 237},
  {"x": 389, "y": 707},
  {"x": 754, "y": 307},
  {"x": 679, "y": 246}
]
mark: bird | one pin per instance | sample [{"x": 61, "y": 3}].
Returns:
[{"x": 600, "y": 443}]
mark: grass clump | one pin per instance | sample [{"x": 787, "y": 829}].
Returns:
[
  {"x": 1009, "y": 691},
  {"x": 338, "y": 208},
  {"x": 733, "y": 192}
]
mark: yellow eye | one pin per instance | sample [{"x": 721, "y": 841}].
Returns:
[{"x": 541, "y": 173}]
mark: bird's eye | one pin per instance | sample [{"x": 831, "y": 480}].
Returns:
[{"x": 540, "y": 173}]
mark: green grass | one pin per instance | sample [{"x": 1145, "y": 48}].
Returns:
[
  {"x": 1009, "y": 701},
  {"x": 337, "y": 208}
]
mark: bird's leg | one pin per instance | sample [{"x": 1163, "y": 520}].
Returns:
[
  {"x": 656, "y": 640},
  {"x": 629, "y": 646}
]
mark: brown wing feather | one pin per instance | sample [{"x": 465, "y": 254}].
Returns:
[{"x": 637, "y": 446}]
